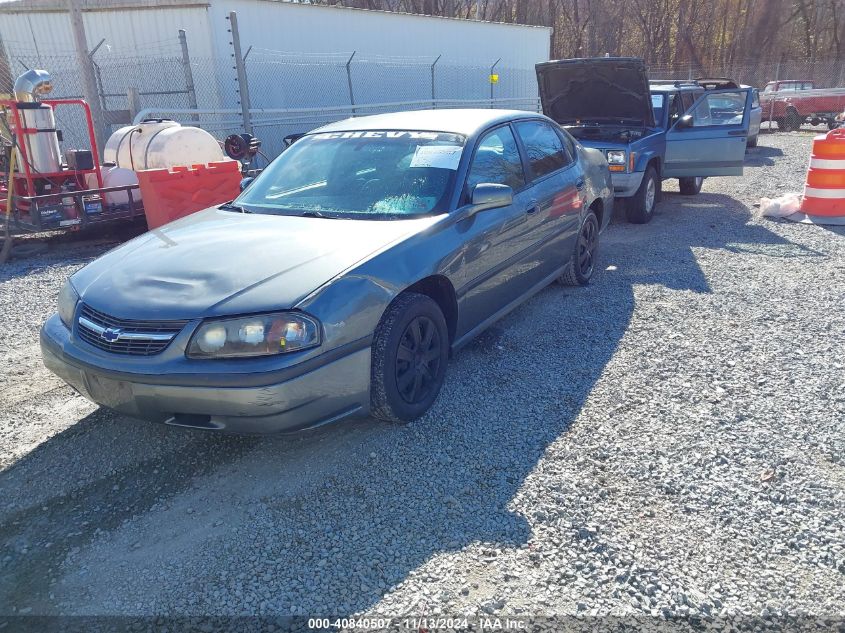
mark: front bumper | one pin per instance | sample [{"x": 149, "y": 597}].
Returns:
[
  {"x": 330, "y": 391},
  {"x": 625, "y": 185}
]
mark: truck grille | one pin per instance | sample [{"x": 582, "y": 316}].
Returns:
[{"x": 124, "y": 336}]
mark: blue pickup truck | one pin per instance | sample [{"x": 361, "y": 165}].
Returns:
[{"x": 647, "y": 133}]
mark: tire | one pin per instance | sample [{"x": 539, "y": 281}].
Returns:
[
  {"x": 409, "y": 321},
  {"x": 582, "y": 264},
  {"x": 781, "y": 124},
  {"x": 640, "y": 208},
  {"x": 832, "y": 124},
  {"x": 690, "y": 186},
  {"x": 752, "y": 141},
  {"x": 793, "y": 121}
]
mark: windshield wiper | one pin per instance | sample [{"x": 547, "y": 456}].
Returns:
[
  {"x": 313, "y": 214},
  {"x": 228, "y": 206}
]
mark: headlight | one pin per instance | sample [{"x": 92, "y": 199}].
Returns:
[
  {"x": 261, "y": 335},
  {"x": 615, "y": 157},
  {"x": 68, "y": 298}
]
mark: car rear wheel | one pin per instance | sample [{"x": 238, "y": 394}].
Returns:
[
  {"x": 640, "y": 208},
  {"x": 409, "y": 358},
  {"x": 690, "y": 186},
  {"x": 582, "y": 264}
]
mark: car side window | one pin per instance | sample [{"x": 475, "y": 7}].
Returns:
[
  {"x": 544, "y": 147},
  {"x": 724, "y": 108},
  {"x": 497, "y": 161},
  {"x": 755, "y": 99}
]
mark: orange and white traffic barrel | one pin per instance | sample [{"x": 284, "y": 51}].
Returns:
[{"x": 824, "y": 193}]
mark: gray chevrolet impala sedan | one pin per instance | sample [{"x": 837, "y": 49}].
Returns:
[{"x": 340, "y": 280}]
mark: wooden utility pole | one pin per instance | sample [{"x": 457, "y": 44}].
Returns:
[
  {"x": 86, "y": 71},
  {"x": 6, "y": 79}
]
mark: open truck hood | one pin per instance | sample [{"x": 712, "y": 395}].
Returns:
[{"x": 611, "y": 90}]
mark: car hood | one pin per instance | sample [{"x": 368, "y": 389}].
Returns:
[
  {"x": 601, "y": 89},
  {"x": 219, "y": 262}
]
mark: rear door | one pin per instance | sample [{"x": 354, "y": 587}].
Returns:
[
  {"x": 715, "y": 143},
  {"x": 495, "y": 272},
  {"x": 557, "y": 190}
]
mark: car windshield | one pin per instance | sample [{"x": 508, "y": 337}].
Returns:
[
  {"x": 376, "y": 174},
  {"x": 657, "y": 106}
]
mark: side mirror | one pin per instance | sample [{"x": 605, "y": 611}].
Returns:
[
  {"x": 246, "y": 182},
  {"x": 487, "y": 195},
  {"x": 685, "y": 122}
]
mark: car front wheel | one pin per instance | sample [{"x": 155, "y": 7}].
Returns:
[
  {"x": 409, "y": 357},
  {"x": 640, "y": 208}
]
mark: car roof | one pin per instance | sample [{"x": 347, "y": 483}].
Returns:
[{"x": 458, "y": 121}]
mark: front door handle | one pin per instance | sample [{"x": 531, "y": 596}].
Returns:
[
  {"x": 532, "y": 208},
  {"x": 737, "y": 133},
  {"x": 579, "y": 184}
]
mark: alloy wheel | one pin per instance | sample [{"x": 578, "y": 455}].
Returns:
[
  {"x": 586, "y": 248},
  {"x": 418, "y": 360}
]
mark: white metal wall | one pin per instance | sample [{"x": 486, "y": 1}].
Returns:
[
  {"x": 320, "y": 29},
  {"x": 298, "y": 57},
  {"x": 128, "y": 32}
]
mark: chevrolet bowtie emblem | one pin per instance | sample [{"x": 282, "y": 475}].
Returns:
[{"x": 111, "y": 334}]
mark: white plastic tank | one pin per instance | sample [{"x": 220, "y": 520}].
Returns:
[
  {"x": 114, "y": 176},
  {"x": 161, "y": 143}
]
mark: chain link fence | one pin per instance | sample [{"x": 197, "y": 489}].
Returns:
[
  {"x": 292, "y": 92},
  {"x": 289, "y": 92}
]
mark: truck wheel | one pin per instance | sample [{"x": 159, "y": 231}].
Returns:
[
  {"x": 409, "y": 357},
  {"x": 793, "y": 120},
  {"x": 690, "y": 186},
  {"x": 640, "y": 208}
]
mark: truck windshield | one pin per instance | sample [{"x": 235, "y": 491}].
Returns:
[{"x": 375, "y": 174}]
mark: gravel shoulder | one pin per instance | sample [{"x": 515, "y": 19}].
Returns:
[{"x": 668, "y": 441}]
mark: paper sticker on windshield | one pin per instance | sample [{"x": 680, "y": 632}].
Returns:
[{"x": 440, "y": 156}]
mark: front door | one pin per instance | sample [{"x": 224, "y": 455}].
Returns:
[{"x": 712, "y": 142}]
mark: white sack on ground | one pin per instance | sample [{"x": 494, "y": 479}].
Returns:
[{"x": 780, "y": 207}]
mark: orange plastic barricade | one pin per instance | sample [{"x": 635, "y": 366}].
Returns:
[
  {"x": 172, "y": 194},
  {"x": 824, "y": 193}
]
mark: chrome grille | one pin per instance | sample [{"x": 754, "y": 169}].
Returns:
[{"x": 125, "y": 336}]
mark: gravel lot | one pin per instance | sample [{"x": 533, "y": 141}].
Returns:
[{"x": 668, "y": 441}]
